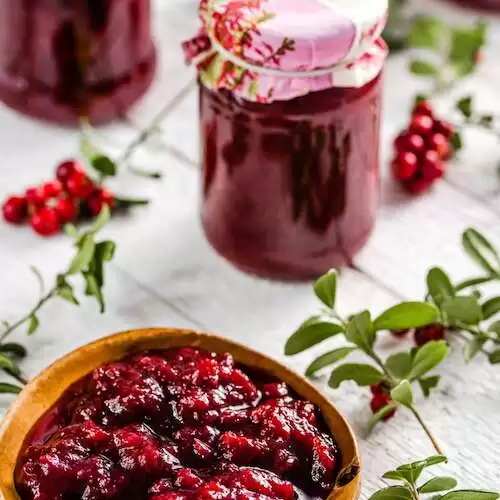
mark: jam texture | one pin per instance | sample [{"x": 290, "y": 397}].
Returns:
[
  {"x": 182, "y": 424},
  {"x": 291, "y": 187},
  {"x": 64, "y": 59}
]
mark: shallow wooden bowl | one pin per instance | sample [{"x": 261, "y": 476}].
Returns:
[{"x": 44, "y": 391}]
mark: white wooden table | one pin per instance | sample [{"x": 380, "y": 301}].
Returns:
[{"x": 165, "y": 273}]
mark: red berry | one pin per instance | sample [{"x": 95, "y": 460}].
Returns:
[
  {"x": 400, "y": 142},
  {"x": 46, "y": 221},
  {"x": 379, "y": 401},
  {"x": 415, "y": 144},
  {"x": 438, "y": 142},
  {"x": 421, "y": 125},
  {"x": 35, "y": 197},
  {"x": 66, "y": 169},
  {"x": 400, "y": 333},
  {"x": 423, "y": 108},
  {"x": 67, "y": 209},
  {"x": 15, "y": 209},
  {"x": 432, "y": 166},
  {"x": 418, "y": 186},
  {"x": 379, "y": 388},
  {"x": 405, "y": 166},
  {"x": 51, "y": 189},
  {"x": 98, "y": 199},
  {"x": 79, "y": 185},
  {"x": 428, "y": 333},
  {"x": 444, "y": 128}
]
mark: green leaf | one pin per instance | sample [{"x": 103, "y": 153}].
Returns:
[
  {"x": 363, "y": 375},
  {"x": 462, "y": 309},
  {"x": 86, "y": 149},
  {"x": 456, "y": 141},
  {"x": 423, "y": 68},
  {"x": 93, "y": 289},
  {"x": 393, "y": 493},
  {"x": 325, "y": 288},
  {"x": 411, "y": 472},
  {"x": 8, "y": 365},
  {"x": 428, "y": 383},
  {"x": 71, "y": 231},
  {"x": 465, "y": 42},
  {"x": 133, "y": 202},
  {"x": 403, "y": 394},
  {"x": 481, "y": 251},
  {"x": 470, "y": 495},
  {"x": 399, "y": 365},
  {"x": 486, "y": 120},
  {"x": 380, "y": 415},
  {"x": 101, "y": 220},
  {"x": 13, "y": 349},
  {"x": 407, "y": 315},
  {"x": 428, "y": 357},
  {"x": 491, "y": 307},
  {"x": 104, "y": 165},
  {"x": 360, "y": 331},
  {"x": 33, "y": 324},
  {"x": 312, "y": 332},
  {"x": 439, "y": 285},
  {"x": 39, "y": 278},
  {"x": 464, "y": 105},
  {"x": 328, "y": 359},
  {"x": 473, "y": 282},
  {"x": 84, "y": 255},
  {"x": 9, "y": 388},
  {"x": 495, "y": 328},
  {"x": 427, "y": 32},
  {"x": 438, "y": 484},
  {"x": 473, "y": 347},
  {"x": 495, "y": 357},
  {"x": 66, "y": 293},
  {"x": 394, "y": 475}
]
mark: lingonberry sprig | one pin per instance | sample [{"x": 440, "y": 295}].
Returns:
[
  {"x": 89, "y": 262},
  {"x": 392, "y": 379},
  {"x": 434, "y": 488},
  {"x": 463, "y": 311}
]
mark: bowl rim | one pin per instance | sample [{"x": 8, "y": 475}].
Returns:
[{"x": 42, "y": 392}]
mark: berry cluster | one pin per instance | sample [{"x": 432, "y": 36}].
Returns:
[
  {"x": 424, "y": 334},
  {"x": 380, "y": 399},
  {"x": 421, "y": 151},
  {"x": 72, "y": 195}
]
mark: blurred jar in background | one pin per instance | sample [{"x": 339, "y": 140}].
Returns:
[
  {"x": 61, "y": 60},
  {"x": 290, "y": 103}
]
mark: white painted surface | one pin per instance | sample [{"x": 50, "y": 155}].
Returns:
[{"x": 166, "y": 274}]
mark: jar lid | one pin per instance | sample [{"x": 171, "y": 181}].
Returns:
[{"x": 267, "y": 50}]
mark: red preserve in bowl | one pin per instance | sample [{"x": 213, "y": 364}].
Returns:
[
  {"x": 65, "y": 59},
  {"x": 290, "y": 101}
]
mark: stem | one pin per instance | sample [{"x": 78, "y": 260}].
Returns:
[
  {"x": 14, "y": 326},
  {"x": 421, "y": 421}
]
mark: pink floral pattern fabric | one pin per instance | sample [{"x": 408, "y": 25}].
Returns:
[{"x": 241, "y": 40}]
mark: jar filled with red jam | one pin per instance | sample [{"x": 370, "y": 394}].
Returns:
[
  {"x": 62, "y": 60},
  {"x": 290, "y": 101}
]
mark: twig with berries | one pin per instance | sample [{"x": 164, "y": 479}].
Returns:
[
  {"x": 410, "y": 488},
  {"x": 88, "y": 262},
  {"x": 462, "y": 310},
  {"x": 391, "y": 380},
  {"x": 71, "y": 197}
]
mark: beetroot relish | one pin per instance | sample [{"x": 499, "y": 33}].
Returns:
[{"x": 183, "y": 424}]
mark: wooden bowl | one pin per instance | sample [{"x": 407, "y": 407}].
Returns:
[{"x": 44, "y": 391}]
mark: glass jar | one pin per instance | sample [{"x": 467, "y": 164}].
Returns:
[
  {"x": 290, "y": 132},
  {"x": 290, "y": 188},
  {"x": 64, "y": 59}
]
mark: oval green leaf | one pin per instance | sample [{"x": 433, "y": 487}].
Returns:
[
  {"x": 399, "y": 365},
  {"x": 471, "y": 495},
  {"x": 462, "y": 309},
  {"x": 393, "y": 493},
  {"x": 9, "y": 388},
  {"x": 407, "y": 315},
  {"x": 403, "y": 393},
  {"x": 439, "y": 285},
  {"x": 428, "y": 357},
  {"x": 437, "y": 484},
  {"x": 363, "y": 375},
  {"x": 312, "y": 332},
  {"x": 328, "y": 359},
  {"x": 481, "y": 251},
  {"x": 491, "y": 307},
  {"x": 325, "y": 288},
  {"x": 379, "y": 415},
  {"x": 14, "y": 349}
]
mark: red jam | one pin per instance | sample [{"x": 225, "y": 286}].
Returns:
[
  {"x": 291, "y": 187},
  {"x": 183, "y": 424},
  {"x": 488, "y": 5},
  {"x": 61, "y": 60}
]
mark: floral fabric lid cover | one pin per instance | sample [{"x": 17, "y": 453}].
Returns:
[{"x": 265, "y": 50}]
